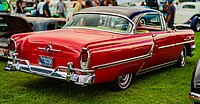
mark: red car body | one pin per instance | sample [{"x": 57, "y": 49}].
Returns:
[{"x": 108, "y": 56}]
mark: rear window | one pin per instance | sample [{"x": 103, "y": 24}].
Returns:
[{"x": 189, "y": 7}]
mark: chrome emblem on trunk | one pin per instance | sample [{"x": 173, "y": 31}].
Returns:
[{"x": 48, "y": 49}]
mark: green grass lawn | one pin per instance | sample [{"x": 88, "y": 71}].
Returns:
[{"x": 170, "y": 85}]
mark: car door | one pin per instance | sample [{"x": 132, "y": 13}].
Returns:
[{"x": 163, "y": 40}]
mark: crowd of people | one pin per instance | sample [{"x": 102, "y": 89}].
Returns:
[{"x": 43, "y": 6}]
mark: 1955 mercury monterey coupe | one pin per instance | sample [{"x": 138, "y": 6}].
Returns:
[{"x": 102, "y": 44}]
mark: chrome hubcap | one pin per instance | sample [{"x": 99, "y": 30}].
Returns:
[
  {"x": 124, "y": 80},
  {"x": 183, "y": 57}
]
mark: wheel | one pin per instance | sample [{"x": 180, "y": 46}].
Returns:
[
  {"x": 121, "y": 83},
  {"x": 182, "y": 58},
  {"x": 197, "y": 26}
]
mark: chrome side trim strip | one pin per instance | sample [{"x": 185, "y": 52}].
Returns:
[
  {"x": 172, "y": 45},
  {"x": 54, "y": 50},
  {"x": 121, "y": 61},
  {"x": 126, "y": 60},
  {"x": 184, "y": 42},
  {"x": 167, "y": 46},
  {"x": 156, "y": 67}
]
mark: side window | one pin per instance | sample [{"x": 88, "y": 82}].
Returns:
[
  {"x": 189, "y": 7},
  {"x": 149, "y": 22}
]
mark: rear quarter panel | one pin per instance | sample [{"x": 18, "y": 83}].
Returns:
[
  {"x": 120, "y": 48},
  {"x": 183, "y": 38}
]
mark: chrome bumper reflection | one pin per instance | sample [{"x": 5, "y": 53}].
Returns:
[
  {"x": 193, "y": 47},
  {"x": 61, "y": 72},
  {"x": 194, "y": 97}
]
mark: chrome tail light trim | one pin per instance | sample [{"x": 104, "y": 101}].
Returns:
[{"x": 88, "y": 59}]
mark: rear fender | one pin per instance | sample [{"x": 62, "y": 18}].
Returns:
[{"x": 194, "y": 21}]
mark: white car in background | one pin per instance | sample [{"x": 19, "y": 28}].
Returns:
[{"x": 188, "y": 16}]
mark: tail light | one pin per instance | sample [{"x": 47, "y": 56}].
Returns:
[
  {"x": 85, "y": 59},
  {"x": 12, "y": 45}
]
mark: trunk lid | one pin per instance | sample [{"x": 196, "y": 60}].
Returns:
[{"x": 64, "y": 42}]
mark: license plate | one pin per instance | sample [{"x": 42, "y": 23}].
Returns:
[{"x": 45, "y": 61}]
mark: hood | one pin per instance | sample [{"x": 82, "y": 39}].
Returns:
[
  {"x": 69, "y": 41},
  {"x": 187, "y": 14}
]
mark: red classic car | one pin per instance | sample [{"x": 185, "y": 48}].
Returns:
[{"x": 102, "y": 44}]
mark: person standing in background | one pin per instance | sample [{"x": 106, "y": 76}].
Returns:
[
  {"x": 61, "y": 7},
  {"x": 37, "y": 12},
  {"x": 88, "y": 4},
  {"x": 170, "y": 15},
  {"x": 95, "y": 2},
  {"x": 104, "y": 3},
  {"x": 46, "y": 10},
  {"x": 19, "y": 7},
  {"x": 165, "y": 9},
  {"x": 78, "y": 6},
  {"x": 40, "y": 8}
]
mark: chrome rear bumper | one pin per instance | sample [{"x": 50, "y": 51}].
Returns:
[
  {"x": 194, "y": 97},
  {"x": 61, "y": 72}
]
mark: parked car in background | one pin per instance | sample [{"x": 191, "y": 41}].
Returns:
[
  {"x": 188, "y": 16},
  {"x": 30, "y": 8},
  {"x": 102, "y": 44},
  {"x": 10, "y": 25},
  {"x": 194, "y": 95}
]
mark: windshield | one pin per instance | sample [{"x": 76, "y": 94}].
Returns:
[{"x": 101, "y": 22}]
